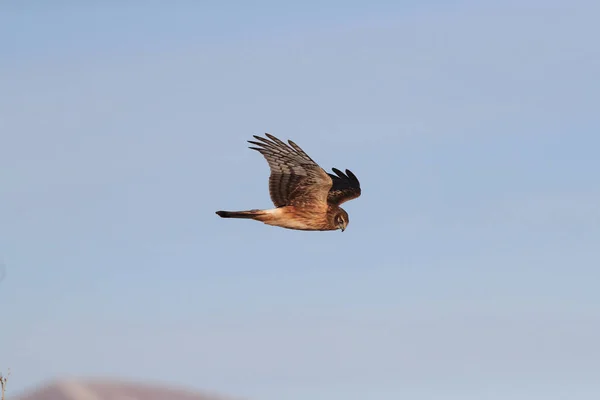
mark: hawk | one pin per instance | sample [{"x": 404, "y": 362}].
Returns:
[{"x": 305, "y": 196}]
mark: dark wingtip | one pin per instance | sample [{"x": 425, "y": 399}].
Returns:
[
  {"x": 338, "y": 172},
  {"x": 351, "y": 175},
  {"x": 221, "y": 213}
]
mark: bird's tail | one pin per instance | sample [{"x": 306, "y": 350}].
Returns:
[{"x": 250, "y": 214}]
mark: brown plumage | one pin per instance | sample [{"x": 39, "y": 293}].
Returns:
[{"x": 305, "y": 196}]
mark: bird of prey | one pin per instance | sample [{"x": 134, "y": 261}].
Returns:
[{"x": 305, "y": 196}]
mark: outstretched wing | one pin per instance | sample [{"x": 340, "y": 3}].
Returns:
[
  {"x": 345, "y": 187},
  {"x": 295, "y": 178}
]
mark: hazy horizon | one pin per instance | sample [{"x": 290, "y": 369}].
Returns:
[{"x": 469, "y": 269}]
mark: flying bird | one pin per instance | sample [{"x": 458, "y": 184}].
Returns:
[{"x": 306, "y": 197}]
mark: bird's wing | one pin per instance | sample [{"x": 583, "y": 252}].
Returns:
[
  {"x": 295, "y": 178},
  {"x": 345, "y": 187}
]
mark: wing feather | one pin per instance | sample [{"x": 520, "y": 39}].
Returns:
[
  {"x": 295, "y": 178},
  {"x": 345, "y": 187}
]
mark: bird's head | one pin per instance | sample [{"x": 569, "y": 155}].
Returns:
[{"x": 341, "y": 219}]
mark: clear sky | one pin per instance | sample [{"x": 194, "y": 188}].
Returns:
[{"x": 471, "y": 266}]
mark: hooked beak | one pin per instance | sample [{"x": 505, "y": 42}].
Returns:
[{"x": 343, "y": 228}]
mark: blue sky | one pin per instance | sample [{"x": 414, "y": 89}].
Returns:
[{"x": 470, "y": 267}]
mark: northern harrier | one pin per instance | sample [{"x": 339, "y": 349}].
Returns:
[{"x": 305, "y": 196}]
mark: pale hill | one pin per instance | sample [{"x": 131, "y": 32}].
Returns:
[{"x": 93, "y": 389}]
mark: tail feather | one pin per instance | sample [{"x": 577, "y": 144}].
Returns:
[{"x": 250, "y": 214}]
